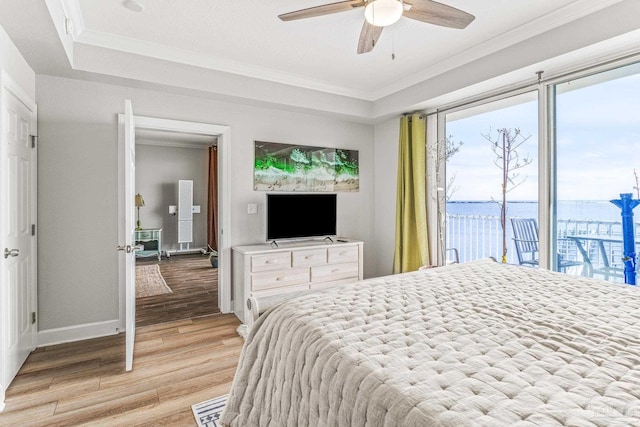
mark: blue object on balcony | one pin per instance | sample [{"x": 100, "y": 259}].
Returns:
[{"x": 626, "y": 204}]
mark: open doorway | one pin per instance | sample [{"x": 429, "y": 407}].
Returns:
[
  {"x": 129, "y": 124},
  {"x": 175, "y": 276}
]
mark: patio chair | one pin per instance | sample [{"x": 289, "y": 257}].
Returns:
[{"x": 525, "y": 239}]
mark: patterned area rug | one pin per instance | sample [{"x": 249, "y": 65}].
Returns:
[
  {"x": 208, "y": 413},
  {"x": 149, "y": 281}
]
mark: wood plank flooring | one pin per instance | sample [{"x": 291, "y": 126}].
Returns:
[
  {"x": 176, "y": 364},
  {"x": 195, "y": 290}
]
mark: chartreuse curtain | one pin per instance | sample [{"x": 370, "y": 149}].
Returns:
[{"x": 412, "y": 242}]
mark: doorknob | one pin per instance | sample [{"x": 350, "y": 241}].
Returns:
[
  {"x": 11, "y": 252},
  {"x": 127, "y": 248}
]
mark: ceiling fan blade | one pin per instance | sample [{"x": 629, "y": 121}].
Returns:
[
  {"x": 368, "y": 37},
  {"x": 432, "y": 12},
  {"x": 325, "y": 9}
]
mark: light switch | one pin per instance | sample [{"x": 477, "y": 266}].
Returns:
[
  {"x": 195, "y": 208},
  {"x": 252, "y": 208}
]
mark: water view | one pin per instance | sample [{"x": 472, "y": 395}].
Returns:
[{"x": 493, "y": 154}]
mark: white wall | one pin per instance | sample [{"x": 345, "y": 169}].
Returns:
[
  {"x": 158, "y": 170},
  {"x": 12, "y": 62},
  {"x": 387, "y": 135},
  {"x": 78, "y": 278}
]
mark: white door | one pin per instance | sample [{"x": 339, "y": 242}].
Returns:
[
  {"x": 128, "y": 247},
  {"x": 17, "y": 233}
]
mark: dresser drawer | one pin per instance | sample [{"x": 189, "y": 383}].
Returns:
[
  {"x": 329, "y": 273},
  {"x": 309, "y": 257},
  {"x": 292, "y": 289},
  {"x": 145, "y": 235},
  {"x": 271, "y": 261},
  {"x": 343, "y": 254},
  {"x": 279, "y": 279}
]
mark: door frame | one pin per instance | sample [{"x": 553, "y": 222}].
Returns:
[
  {"x": 10, "y": 85},
  {"x": 223, "y": 133}
]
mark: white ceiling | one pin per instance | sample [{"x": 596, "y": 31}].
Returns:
[
  {"x": 239, "y": 50},
  {"x": 246, "y": 37}
]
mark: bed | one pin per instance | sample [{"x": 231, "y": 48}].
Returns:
[{"x": 478, "y": 343}]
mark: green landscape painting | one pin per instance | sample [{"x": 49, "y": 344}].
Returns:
[{"x": 288, "y": 167}]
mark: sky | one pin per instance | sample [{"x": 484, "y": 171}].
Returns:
[{"x": 598, "y": 134}]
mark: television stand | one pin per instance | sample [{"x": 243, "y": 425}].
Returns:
[{"x": 260, "y": 271}]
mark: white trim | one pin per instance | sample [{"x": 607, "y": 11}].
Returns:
[
  {"x": 224, "y": 216},
  {"x": 16, "y": 90},
  {"x": 180, "y": 56},
  {"x": 72, "y": 11},
  {"x": 548, "y": 22},
  {"x": 175, "y": 144},
  {"x": 58, "y": 15},
  {"x": 78, "y": 332},
  {"x": 224, "y": 206},
  {"x": 555, "y": 19}
]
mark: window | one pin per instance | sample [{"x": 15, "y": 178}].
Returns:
[
  {"x": 591, "y": 156},
  {"x": 478, "y": 140}
]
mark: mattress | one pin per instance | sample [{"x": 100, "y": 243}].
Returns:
[{"x": 479, "y": 343}]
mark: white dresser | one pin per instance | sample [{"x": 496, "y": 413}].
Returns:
[{"x": 264, "y": 271}]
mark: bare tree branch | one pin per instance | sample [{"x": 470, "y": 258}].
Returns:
[{"x": 508, "y": 160}]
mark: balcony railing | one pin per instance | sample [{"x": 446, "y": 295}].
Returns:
[{"x": 477, "y": 236}]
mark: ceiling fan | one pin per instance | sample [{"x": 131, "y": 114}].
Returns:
[{"x": 381, "y": 13}]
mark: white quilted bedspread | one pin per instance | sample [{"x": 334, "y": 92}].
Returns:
[{"x": 469, "y": 344}]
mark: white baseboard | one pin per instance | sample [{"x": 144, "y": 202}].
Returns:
[{"x": 78, "y": 332}]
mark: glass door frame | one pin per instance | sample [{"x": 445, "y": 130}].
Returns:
[
  {"x": 547, "y": 161},
  {"x": 441, "y": 135}
]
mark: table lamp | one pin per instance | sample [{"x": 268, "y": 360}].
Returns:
[{"x": 139, "y": 203}]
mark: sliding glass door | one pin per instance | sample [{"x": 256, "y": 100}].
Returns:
[
  {"x": 490, "y": 155},
  {"x": 597, "y": 152}
]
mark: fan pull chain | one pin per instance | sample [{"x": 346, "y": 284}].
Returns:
[{"x": 393, "y": 45}]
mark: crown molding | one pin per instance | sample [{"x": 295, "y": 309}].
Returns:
[
  {"x": 559, "y": 17},
  {"x": 72, "y": 11},
  {"x": 548, "y": 22},
  {"x": 166, "y": 53}
]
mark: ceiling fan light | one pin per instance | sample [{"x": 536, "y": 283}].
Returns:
[{"x": 383, "y": 12}]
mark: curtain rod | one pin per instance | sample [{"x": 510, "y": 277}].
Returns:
[{"x": 422, "y": 115}]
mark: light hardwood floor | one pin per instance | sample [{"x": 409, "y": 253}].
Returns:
[{"x": 176, "y": 365}]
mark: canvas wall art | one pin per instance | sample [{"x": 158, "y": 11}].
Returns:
[{"x": 288, "y": 167}]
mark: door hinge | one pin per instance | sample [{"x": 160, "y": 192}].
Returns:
[
  {"x": 33, "y": 317},
  {"x": 34, "y": 139},
  {"x": 33, "y": 229}
]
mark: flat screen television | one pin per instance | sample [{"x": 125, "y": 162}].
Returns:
[{"x": 293, "y": 216}]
